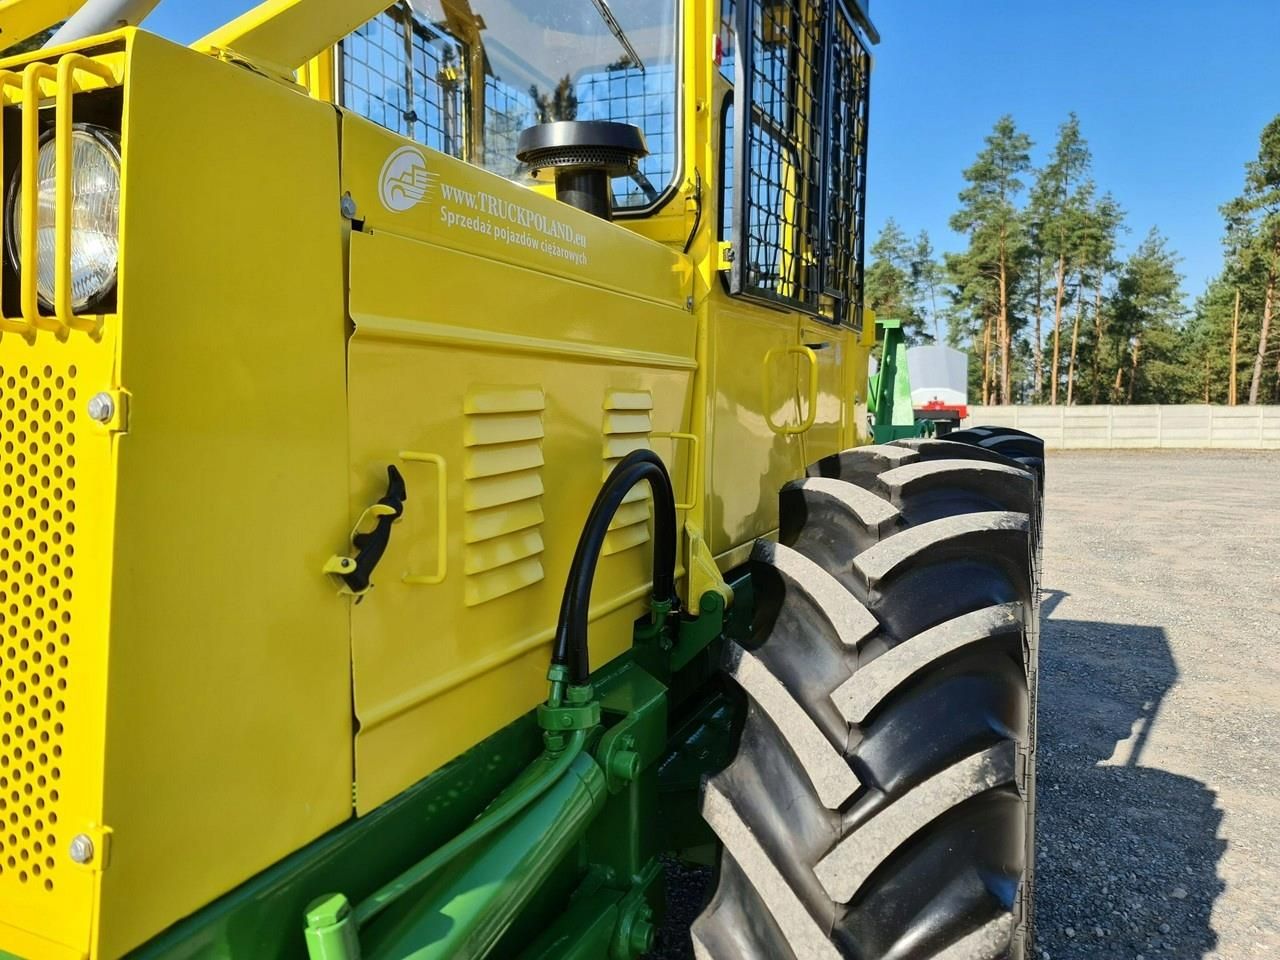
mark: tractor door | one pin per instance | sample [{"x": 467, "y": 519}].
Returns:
[{"x": 793, "y": 88}]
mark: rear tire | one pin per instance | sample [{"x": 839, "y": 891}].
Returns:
[
  {"x": 1025, "y": 448},
  {"x": 878, "y": 803}
]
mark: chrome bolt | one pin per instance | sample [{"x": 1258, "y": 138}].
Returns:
[
  {"x": 348, "y": 206},
  {"x": 102, "y": 407},
  {"x": 81, "y": 848}
]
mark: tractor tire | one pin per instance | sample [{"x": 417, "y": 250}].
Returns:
[
  {"x": 1026, "y": 448},
  {"x": 862, "y": 463},
  {"x": 1023, "y": 448},
  {"x": 877, "y": 805}
]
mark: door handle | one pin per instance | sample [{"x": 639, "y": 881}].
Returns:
[
  {"x": 811, "y": 391},
  {"x": 442, "y": 519}
]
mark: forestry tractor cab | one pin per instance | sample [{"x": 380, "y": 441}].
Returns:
[{"x": 431, "y": 499}]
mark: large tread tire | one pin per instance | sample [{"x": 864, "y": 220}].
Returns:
[
  {"x": 1026, "y": 448},
  {"x": 877, "y": 805},
  {"x": 862, "y": 465}
]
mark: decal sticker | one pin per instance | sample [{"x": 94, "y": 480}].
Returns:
[{"x": 405, "y": 181}]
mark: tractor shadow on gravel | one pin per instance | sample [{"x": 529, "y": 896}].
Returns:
[{"x": 1128, "y": 854}]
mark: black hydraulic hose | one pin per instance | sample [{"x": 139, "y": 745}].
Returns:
[{"x": 570, "y": 646}]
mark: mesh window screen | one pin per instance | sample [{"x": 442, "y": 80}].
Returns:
[
  {"x": 794, "y": 197},
  {"x": 507, "y": 111},
  {"x": 410, "y": 74},
  {"x": 407, "y": 76},
  {"x": 647, "y": 99},
  {"x": 725, "y": 37},
  {"x": 846, "y": 167}
]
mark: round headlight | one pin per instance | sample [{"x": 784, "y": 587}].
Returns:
[{"x": 95, "y": 215}]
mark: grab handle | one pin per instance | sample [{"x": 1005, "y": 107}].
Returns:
[
  {"x": 442, "y": 519},
  {"x": 811, "y": 390}
]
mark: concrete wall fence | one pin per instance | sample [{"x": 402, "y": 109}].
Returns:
[{"x": 1120, "y": 427}]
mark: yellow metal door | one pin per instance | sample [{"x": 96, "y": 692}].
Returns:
[
  {"x": 830, "y": 350},
  {"x": 511, "y": 349},
  {"x": 755, "y": 443}
]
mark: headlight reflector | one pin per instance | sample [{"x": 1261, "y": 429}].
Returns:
[{"x": 95, "y": 216}]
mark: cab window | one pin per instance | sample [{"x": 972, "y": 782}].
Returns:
[
  {"x": 794, "y": 152},
  {"x": 466, "y": 76}
]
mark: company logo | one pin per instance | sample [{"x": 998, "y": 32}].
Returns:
[{"x": 405, "y": 181}]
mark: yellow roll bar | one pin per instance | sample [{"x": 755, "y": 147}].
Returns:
[{"x": 284, "y": 34}]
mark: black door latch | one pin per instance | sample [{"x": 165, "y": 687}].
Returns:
[{"x": 370, "y": 538}]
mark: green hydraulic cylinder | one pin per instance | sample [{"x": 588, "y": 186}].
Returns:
[{"x": 462, "y": 911}]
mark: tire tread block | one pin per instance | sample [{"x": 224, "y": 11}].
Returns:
[
  {"x": 858, "y": 696},
  {"x": 823, "y": 763},
  {"x": 844, "y": 870},
  {"x": 804, "y": 935}
]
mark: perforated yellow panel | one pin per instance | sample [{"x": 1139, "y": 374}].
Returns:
[
  {"x": 56, "y": 505},
  {"x": 37, "y": 573}
]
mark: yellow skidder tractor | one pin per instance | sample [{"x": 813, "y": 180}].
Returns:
[{"x": 431, "y": 498}]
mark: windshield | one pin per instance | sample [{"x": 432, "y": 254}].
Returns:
[{"x": 466, "y": 76}]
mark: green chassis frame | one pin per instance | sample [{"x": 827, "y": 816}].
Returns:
[{"x": 562, "y": 814}]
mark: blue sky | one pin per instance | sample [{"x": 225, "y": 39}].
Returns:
[
  {"x": 1171, "y": 95},
  {"x": 187, "y": 20}
]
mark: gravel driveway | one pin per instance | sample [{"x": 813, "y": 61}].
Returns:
[{"x": 1159, "y": 821}]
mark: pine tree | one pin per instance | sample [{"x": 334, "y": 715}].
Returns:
[
  {"x": 1151, "y": 365},
  {"x": 1102, "y": 221},
  {"x": 888, "y": 279},
  {"x": 1058, "y": 208},
  {"x": 998, "y": 245},
  {"x": 902, "y": 281},
  {"x": 1253, "y": 238},
  {"x": 1037, "y": 271},
  {"x": 1208, "y": 335},
  {"x": 927, "y": 280},
  {"x": 974, "y": 304}
]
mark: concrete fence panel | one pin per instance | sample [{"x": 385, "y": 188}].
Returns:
[{"x": 1134, "y": 427}]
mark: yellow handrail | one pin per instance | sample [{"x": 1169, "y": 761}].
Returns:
[{"x": 695, "y": 461}]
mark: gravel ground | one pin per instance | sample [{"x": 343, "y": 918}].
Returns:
[
  {"x": 1158, "y": 821},
  {"x": 1159, "y": 824}
]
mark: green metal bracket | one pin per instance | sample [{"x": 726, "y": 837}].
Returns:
[
  {"x": 656, "y": 631},
  {"x": 602, "y": 922},
  {"x": 331, "y": 930},
  {"x": 697, "y": 633},
  {"x": 634, "y": 704},
  {"x": 634, "y": 933},
  {"x": 889, "y": 395},
  {"x": 666, "y": 645}
]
